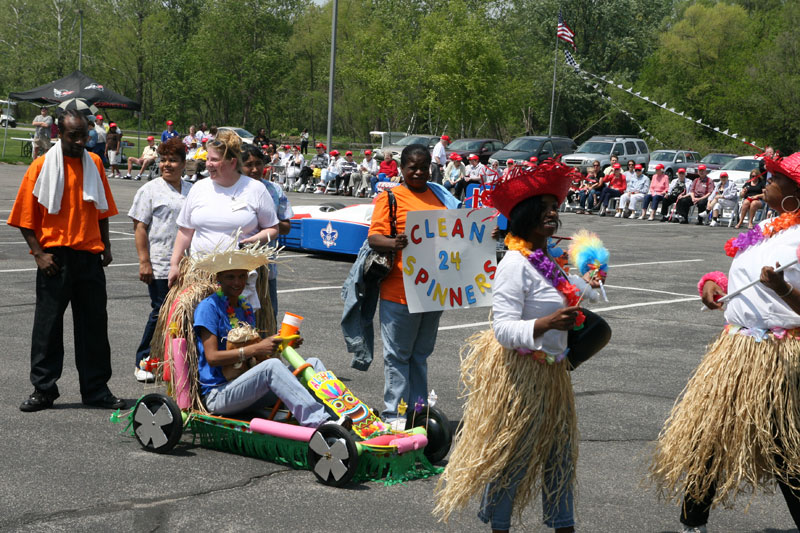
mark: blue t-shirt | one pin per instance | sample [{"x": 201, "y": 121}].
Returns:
[
  {"x": 167, "y": 135},
  {"x": 92, "y": 142},
  {"x": 212, "y": 314}
]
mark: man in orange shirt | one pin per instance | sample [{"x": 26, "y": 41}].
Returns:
[{"x": 62, "y": 209}]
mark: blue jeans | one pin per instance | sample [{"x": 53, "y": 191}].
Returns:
[
  {"x": 262, "y": 385},
  {"x": 158, "y": 291},
  {"x": 608, "y": 194},
  {"x": 408, "y": 340},
  {"x": 652, "y": 200},
  {"x": 375, "y": 179},
  {"x": 497, "y": 508}
]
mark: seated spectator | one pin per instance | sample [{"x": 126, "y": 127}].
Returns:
[
  {"x": 318, "y": 162},
  {"x": 700, "y": 191},
  {"x": 192, "y": 136},
  {"x": 610, "y": 168},
  {"x": 574, "y": 188},
  {"x": 678, "y": 188},
  {"x": 329, "y": 174},
  {"x": 359, "y": 181},
  {"x": 533, "y": 162},
  {"x": 475, "y": 173},
  {"x": 753, "y": 194},
  {"x": 347, "y": 167},
  {"x": 659, "y": 185},
  {"x": 630, "y": 171},
  {"x": 387, "y": 171},
  {"x": 493, "y": 172},
  {"x": 635, "y": 191},
  {"x": 509, "y": 167},
  {"x": 454, "y": 171},
  {"x": 149, "y": 155},
  {"x": 725, "y": 195},
  {"x": 294, "y": 164},
  {"x": 615, "y": 186},
  {"x": 261, "y": 137},
  {"x": 584, "y": 190}
]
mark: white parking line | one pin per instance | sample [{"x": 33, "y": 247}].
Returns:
[
  {"x": 306, "y": 289},
  {"x": 122, "y": 233},
  {"x": 656, "y": 263},
  {"x": 116, "y": 265},
  {"x": 647, "y": 290}
]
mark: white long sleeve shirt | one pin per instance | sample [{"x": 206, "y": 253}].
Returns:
[{"x": 520, "y": 296}]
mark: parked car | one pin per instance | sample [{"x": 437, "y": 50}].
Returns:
[
  {"x": 245, "y": 135},
  {"x": 602, "y": 147},
  {"x": 541, "y": 147},
  {"x": 672, "y": 161},
  {"x": 711, "y": 161},
  {"x": 738, "y": 169},
  {"x": 386, "y": 137},
  {"x": 7, "y": 119},
  {"x": 483, "y": 148},
  {"x": 427, "y": 140}
]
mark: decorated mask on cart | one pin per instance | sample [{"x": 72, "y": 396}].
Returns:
[{"x": 338, "y": 397}]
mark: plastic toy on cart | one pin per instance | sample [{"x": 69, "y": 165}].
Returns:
[
  {"x": 336, "y": 454},
  {"x": 330, "y": 227}
]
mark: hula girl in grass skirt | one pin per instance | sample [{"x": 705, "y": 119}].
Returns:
[
  {"x": 737, "y": 425},
  {"x": 519, "y": 431}
]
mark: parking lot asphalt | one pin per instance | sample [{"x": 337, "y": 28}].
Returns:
[{"x": 69, "y": 469}]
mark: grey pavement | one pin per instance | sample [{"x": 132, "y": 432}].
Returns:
[{"x": 69, "y": 469}]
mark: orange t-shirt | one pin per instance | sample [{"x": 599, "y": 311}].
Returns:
[
  {"x": 407, "y": 200},
  {"x": 76, "y": 224}
]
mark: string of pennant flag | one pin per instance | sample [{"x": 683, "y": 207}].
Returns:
[{"x": 588, "y": 76}]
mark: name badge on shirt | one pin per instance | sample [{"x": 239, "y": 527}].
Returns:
[{"x": 235, "y": 206}]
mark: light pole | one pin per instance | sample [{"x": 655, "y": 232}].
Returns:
[
  {"x": 80, "y": 39},
  {"x": 332, "y": 72}
]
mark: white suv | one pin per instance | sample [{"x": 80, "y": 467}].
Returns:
[{"x": 602, "y": 147}]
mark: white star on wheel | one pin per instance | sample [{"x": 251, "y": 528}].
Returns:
[
  {"x": 149, "y": 430},
  {"x": 331, "y": 457}
]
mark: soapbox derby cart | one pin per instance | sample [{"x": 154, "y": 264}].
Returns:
[
  {"x": 329, "y": 228},
  {"x": 335, "y": 452}
]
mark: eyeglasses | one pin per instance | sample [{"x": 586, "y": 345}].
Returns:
[
  {"x": 595, "y": 164},
  {"x": 638, "y": 170}
]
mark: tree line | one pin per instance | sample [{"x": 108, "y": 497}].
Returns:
[{"x": 462, "y": 67}]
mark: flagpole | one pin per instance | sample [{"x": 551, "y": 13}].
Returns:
[{"x": 553, "y": 95}]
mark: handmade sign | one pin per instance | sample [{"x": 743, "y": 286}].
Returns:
[{"x": 450, "y": 259}]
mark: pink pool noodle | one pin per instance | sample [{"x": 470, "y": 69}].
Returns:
[
  {"x": 282, "y": 430},
  {"x": 180, "y": 380},
  {"x": 414, "y": 442}
]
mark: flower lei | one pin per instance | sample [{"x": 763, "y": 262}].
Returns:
[
  {"x": 550, "y": 271},
  {"x": 232, "y": 318},
  {"x": 756, "y": 235}
]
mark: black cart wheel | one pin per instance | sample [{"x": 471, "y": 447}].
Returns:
[
  {"x": 333, "y": 455},
  {"x": 27, "y": 149},
  {"x": 440, "y": 437},
  {"x": 157, "y": 423}
]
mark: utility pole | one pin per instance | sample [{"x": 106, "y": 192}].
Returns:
[
  {"x": 332, "y": 72},
  {"x": 80, "y": 40}
]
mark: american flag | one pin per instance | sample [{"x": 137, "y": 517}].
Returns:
[{"x": 563, "y": 31}]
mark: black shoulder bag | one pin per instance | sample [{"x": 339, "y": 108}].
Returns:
[{"x": 378, "y": 264}]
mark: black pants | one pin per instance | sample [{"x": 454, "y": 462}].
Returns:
[
  {"x": 685, "y": 203},
  {"x": 695, "y": 514},
  {"x": 461, "y": 187},
  {"x": 585, "y": 342},
  {"x": 81, "y": 282},
  {"x": 306, "y": 175},
  {"x": 666, "y": 203},
  {"x": 304, "y": 146}
]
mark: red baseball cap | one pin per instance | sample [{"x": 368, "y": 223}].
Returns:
[
  {"x": 334, "y": 152},
  {"x": 701, "y": 167},
  {"x": 510, "y": 162},
  {"x": 446, "y": 138},
  {"x": 659, "y": 166},
  {"x": 473, "y": 156},
  {"x": 348, "y": 153},
  {"x": 367, "y": 152},
  {"x": 533, "y": 159},
  {"x": 169, "y": 123},
  {"x": 723, "y": 174},
  {"x": 264, "y": 146},
  {"x": 617, "y": 166},
  {"x": 204, "y": 139},
  {"x": 150, "y": 138},
  {"x": 99, "y": 117},
  {"x": 681, "y": 171},
  {"x": 638, "y": 167},
  {"x": 286, "y": 146},
  {"x": 455, "y": 157},
  {"x": 320, "y": 145},
  {"x": 112, "y": 125}
]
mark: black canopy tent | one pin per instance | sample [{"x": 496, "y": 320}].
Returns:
[{"x": 75, "y": 85}]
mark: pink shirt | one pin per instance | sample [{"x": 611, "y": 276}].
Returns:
[{"x": 659, "y": 184}]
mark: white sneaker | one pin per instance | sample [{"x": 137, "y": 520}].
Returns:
[
  {"x": 703, "y": 214},
  {"x": 697, "y": 529},
  {"x": 618, "y": 215},
  {"x": 318, "y": 191},
  {"x": 642, "y": 217},
  {"x": 713, "y": 223},
  {"x": 632, "y": 215},
  {"x": 143, "y": 376}
]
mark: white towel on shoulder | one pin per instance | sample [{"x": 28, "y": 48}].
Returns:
[{"x": 49, "y": 188}]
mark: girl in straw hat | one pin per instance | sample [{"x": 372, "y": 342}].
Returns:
[
  {"x": 519, "y": 431},
  {"x": 737, "y": 425},
  {"x": 226, "y": 313}
]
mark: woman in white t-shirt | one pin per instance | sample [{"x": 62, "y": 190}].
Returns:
[{"x": 216, "y": 208}]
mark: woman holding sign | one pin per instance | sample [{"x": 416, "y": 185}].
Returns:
[
  {"x": 737, "y": 426},
  {"x": 519, "y": 431},
  {"x": 408, "y": 339}
]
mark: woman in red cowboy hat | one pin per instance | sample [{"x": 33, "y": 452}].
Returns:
[
  {"x": 737, "y": 426},
  {"x": 519, "y": 431}
]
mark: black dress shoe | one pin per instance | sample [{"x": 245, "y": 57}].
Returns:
[
  {"x": 38, "y": 401},
  {"x": 107, "y": 402}
]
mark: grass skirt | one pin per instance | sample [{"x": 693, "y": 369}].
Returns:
[
  {"x": 738, "y": 420},
  {"x": 518, "y": 413}
]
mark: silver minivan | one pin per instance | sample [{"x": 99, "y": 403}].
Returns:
[{"x": 602, "y": 147}]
